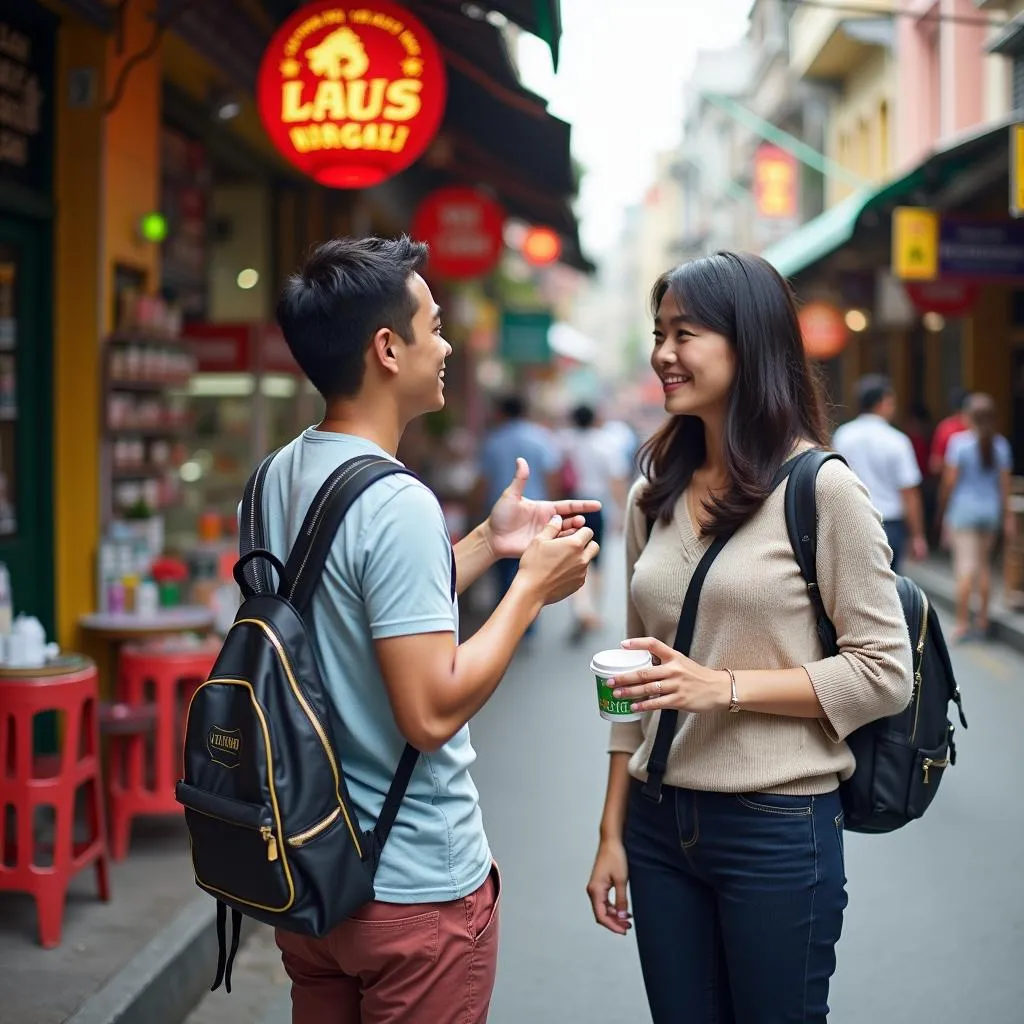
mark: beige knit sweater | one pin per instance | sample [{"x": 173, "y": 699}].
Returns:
[{"x": 755, "y": 614}]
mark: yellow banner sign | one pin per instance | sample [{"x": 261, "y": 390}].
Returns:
[
  {"x": 1017, "y": 170},
  {"x": 915, "y": 243}
]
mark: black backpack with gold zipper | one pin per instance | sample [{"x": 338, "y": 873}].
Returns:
[
  {"x": 273, "y": 831},
  {"x": 900, "y": 759}
]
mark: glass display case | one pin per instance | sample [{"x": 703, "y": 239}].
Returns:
[{"x": 246, "y": 399}]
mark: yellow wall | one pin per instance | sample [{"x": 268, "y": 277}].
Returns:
[
  {"x": 77, "y": 324},
  {"x": 859, "y": 118},
  {"x": 107, "y": 175},
  {"x": 131, "y": 179}
]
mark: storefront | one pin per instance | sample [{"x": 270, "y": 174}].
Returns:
[
  {"x": 932, "y": 328},
  {"x": 28, "y": 38}
]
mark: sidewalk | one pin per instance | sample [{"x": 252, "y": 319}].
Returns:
[
  {"x": 148, "y": 956},
  {"x": 143, "y": 958},
  {"x": 935, "y": 576}
]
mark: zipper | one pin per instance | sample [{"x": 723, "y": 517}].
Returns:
[
  {"x": 932, "y": 762},
  {"x": 315, "y": 521},
  {"x": 919, "y": 662},
  {"x": 313, "y": 720},
  {"x": 268, "y": 832},
  {"x": 311, "y": 833},
  {"x": 271, "y": 840}
]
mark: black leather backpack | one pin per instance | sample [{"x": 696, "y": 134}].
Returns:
[
  {"x": 273, "y": 831},
  {"x": 900, "y": 759}
]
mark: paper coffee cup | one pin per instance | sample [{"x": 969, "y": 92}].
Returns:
[{"x": 609, "y": 664}]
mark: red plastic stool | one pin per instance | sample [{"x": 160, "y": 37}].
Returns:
[
  {"x": 29, "y": 782},
  {"x": 144, "y": 768}
]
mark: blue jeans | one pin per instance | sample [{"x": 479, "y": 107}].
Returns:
[
  {"x": 738, "y": 904},
  {"x": 896, "y": 535}
]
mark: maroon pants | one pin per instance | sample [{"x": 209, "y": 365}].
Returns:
[{"x": 422, "y": 963}]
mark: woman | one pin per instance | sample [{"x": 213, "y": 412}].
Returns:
[
  {"x": 975, "y": 494},
  {"x": 736, "y": 875}
]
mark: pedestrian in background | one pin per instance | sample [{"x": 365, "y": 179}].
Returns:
[
  {"x": 597, "y": 464},
  {"x": 975, "y": 496},
  {"x": 884, "y": 459},
  {"x": 515, "y": 437},
  {"x": 736, "y": 872},
  {"x": 947, "y": 429}
]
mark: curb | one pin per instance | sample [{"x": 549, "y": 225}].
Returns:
[
  {"x": 1007, "y": 626},
  {"x": 164, "y": 981}
]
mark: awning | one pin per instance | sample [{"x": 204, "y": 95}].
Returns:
[
  {"x": 1010, "y": 40},
  {"x": 835, "y": 227},
  {"x": 541, "y": 18},
  {"x": 95, "y": 11}
]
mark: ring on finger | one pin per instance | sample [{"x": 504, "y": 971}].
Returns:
[{"x": 657, "y": 687}]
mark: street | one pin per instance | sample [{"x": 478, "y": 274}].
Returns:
[{"x": 935, "y": 928}]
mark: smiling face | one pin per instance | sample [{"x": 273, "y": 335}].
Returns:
[
  {"x": 421, "y": 358},
  {"x": 696, "y": 366}
]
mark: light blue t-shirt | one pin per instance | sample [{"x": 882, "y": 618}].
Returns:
[
  {"x": 388, "y": 575},
  {"x": 977, "y": 500},
  {"x": 512, "y": 440}
]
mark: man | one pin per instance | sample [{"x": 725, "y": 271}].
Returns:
[
  {"x": 954, "y": 424},
  {"x": 515, "y": 437},
  {"x": 884, "y": 459},
  {"x": 363, "y": 326}
]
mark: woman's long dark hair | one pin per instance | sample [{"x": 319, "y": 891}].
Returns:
[
  {"x": 775, "y": 399},
  {"x": 981, "y": 413}
]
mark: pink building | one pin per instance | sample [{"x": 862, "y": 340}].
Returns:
[{"x": 941, "y": 74}]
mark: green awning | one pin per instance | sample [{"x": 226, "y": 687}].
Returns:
[
  {"x": 818, "y": 237},
  {"x": 836, "y": 226}
]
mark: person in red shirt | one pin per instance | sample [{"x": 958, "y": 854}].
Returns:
[{"x": 947, "y": 428}]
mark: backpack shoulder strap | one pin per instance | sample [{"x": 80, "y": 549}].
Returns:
[
  {"x": 305, "y": 567},
  {"x": 251, "y": 536},
  {"x": 657, "y": 763},
  {"x": 802, "y": 526},
  {"x": 337, "y": 495}
]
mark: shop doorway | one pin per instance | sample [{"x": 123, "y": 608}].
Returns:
[{"x": 26, "y": 414}]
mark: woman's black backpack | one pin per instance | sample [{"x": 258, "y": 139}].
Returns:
[{"x": 900, "y": 759}]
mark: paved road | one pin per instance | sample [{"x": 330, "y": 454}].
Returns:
[{"x": 935, "y": 929}]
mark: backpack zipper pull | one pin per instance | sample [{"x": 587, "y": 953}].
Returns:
[{"x": 271, "y": 840}]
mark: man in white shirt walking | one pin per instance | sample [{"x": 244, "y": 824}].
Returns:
[{"x": 883, "y": 457}]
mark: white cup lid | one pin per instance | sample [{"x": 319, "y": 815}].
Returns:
[{"x": 611, "y": 663}]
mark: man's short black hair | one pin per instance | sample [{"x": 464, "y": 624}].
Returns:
[
  {"x": 348, "y": 290},
  {"x": 871, "y": 390},
  {"x": 583, "y": 416}
]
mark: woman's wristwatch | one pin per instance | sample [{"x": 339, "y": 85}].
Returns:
[{"x": 734, "y": 698}]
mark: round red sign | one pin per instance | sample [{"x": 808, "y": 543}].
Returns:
[
  {"x": 948, "y": 297},
  {"x": 464, "y": 229},
  {"x": 351, "y": 93},
  {"x": 824, "y": 330}
]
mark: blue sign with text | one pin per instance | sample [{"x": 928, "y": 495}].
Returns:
[{"x": 980, "y": 248}]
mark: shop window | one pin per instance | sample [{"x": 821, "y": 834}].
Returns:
[{"x": 1017, "y": 82}]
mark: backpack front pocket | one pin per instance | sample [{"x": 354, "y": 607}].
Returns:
[{"x": 237, "y": 852}]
